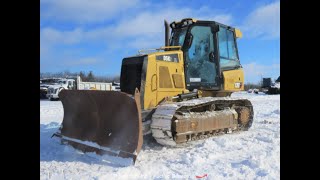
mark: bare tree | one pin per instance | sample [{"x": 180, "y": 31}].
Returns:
[{"x": 248, "y": 86}]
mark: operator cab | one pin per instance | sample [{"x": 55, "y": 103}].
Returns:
[
  {"x": 209, "y": 48},
  {"x": 69, "y": 83}
]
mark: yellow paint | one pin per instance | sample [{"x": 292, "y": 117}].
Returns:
[
  {"x": 238, "y": 33},
  {"x": 154, "y": 82},
  {"x": 153, "y": 94},
  {"x": 178, "y": 81},
  {"x": 231, "y": 78},
  {"x": 150, "y": 90}
]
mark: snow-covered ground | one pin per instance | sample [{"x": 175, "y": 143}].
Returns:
[{"x": 254, "y": 154}]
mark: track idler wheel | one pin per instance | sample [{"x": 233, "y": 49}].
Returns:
[{"x": 243, "y": 115}]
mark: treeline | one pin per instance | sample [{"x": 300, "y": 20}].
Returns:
[
  {"x": 88, "y": 77},
  {"x": 257, "y": 85},
  {"x": 248, "y": 86}
]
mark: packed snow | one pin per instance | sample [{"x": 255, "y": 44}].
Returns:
[{"x": 253, "y": 154}]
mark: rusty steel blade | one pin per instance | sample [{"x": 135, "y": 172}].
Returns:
[{"x": 109, "y": 120}]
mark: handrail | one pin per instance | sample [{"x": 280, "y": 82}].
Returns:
[{"x": 158, "y": 49}]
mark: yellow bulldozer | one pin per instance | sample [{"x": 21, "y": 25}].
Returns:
[{"x": 178, "y": 93}]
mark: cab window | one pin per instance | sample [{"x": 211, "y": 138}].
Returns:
[{"x": 227, "y": 48}]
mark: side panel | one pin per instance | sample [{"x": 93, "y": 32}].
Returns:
[
  {"x": 233, "y": 80},
  {"x": 150, "y": 86},
  {"x": 164, "y": 77},
  {"x": 96, "y": 85},
  {"x": 170, "y": 74}
]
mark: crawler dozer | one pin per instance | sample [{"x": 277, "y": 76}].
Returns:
[{"x": 178, "y": 93}]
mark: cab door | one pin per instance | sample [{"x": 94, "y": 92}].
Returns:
[
  {"x": 201, "y": 67},
  {"x": 70, "y": 84}
]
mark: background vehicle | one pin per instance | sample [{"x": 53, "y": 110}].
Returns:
[
  {"x": 270, "y": 87},
  {"x": 178, "y": 93},
  {"x": 78, "y": 84},
  {"x": 44, "y": 84},
  {"x": 54, "y": 90},
  {"x": 116, "y": 86},
  {"x": 275, "y": 87},
  {"x": 256, "y": 91}
]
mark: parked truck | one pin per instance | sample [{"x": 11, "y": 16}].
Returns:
[
  {"x": 45, "y": 83},
  {"x": 75, "y": 84},
  {"x": 270, "y": 87},
  {"x": 275, "y": 87}
]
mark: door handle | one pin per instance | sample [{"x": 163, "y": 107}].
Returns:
[{"x": 211, "y": 57}]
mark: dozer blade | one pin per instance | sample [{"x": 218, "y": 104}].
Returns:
[{"x": 105, "y": 122}]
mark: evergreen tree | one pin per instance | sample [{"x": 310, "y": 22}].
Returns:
[
  {"x": 90, "y": 77},
  {"x": 83, "y": 76}
]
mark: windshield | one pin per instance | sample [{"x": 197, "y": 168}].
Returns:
[
  {"x": 178, "y": 36},
  {"x": 62, "y": 82}
]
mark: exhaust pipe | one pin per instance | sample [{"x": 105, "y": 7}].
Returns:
[{"x": 166, "y": 25}]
